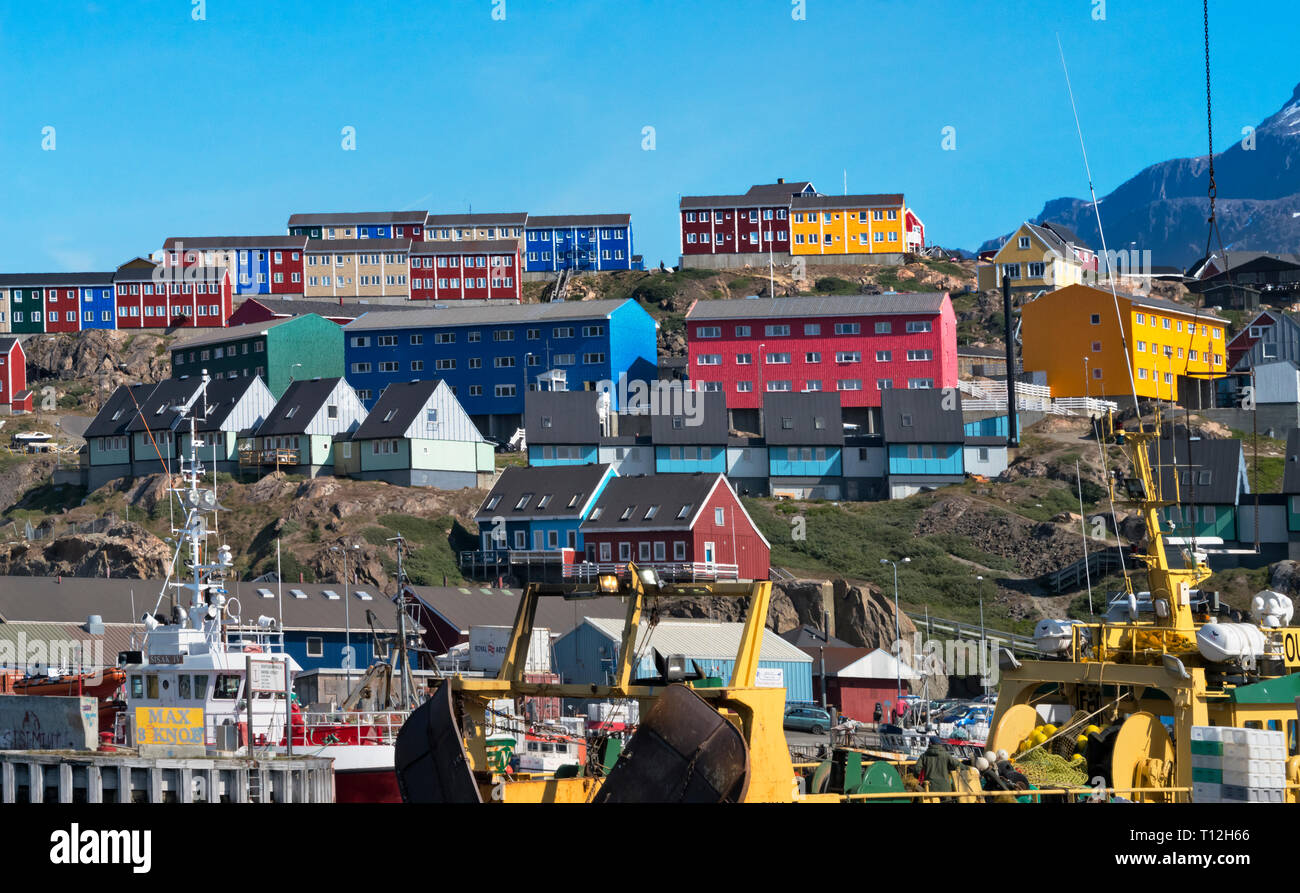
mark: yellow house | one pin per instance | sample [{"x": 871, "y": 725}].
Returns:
[
  {"x": 853, "y": 224},
  {"x": 4, "y": 311},
  {"x": 1037, "y": 257},
  {"x": 360, "y": 268},
  {"x": 1072, "y": 335}
]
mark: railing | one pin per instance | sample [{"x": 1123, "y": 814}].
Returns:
[
  {"x": 275, "y": 457},
  {"x": 366, "y": 727},
  {"x": 669, "y": 572},
  {"x": 1098, "y": 564},
  {"x": 971, "y": 631}
]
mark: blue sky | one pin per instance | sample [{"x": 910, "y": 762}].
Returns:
[{"x": 169, "y": 126}]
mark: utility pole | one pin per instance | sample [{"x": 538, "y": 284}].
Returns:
[{"x": 1013, "y": 427}]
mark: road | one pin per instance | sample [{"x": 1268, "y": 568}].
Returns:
[{"x": 804, "y": 739}]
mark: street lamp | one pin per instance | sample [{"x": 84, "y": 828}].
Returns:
[
  {"x": 344, "y": 548},
  {"x": 898, "y": 667}
]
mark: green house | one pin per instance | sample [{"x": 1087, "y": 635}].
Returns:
[
  {"x": 417, "y": 435},
  {"x": 26, "y": 310},
  {"x": 279, "y": 351},
  {"x": 298, "y": 434},
  {"x": 1207, "y": 478}
]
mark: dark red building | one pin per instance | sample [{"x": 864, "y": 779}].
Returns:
[
  {"x": 151, "y": 296},
  {"x": 258, "y": 265},
  {"x": 13, "y": 376},
  {"x": 754, "y": 223},
  {"x": 681, "y": 524},
  {"x": 460, "y": 271}
]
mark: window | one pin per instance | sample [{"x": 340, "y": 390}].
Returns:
[
  {"x": 776, "y": 331},
  {"x": 776, "y": 386},
  {"x": 502, "y": 390},
  {"x": 918, "y": 326},
  {"x": 719, "y": 517},
  {"x": 883, "y": 328},
  {"x": 744, "y": 359},
  {"x": 920, "y": 384},
  {"x": 919, "y": 355},
  {"x": 679, "y": 550},
  {"x": 849, "y": 384},
  {"x": 1023, "y": 243},
  {"x": 778, "y": 359},
  {"x": 709, "y": 332},
  {"x": 850, "y": 356},
  {"x": 315, "y": 646},
  {"x": 742, "y": 331},
  {"x": 813, "y": 329},
  {"x": 1096, "y": 373},
  {"x": 643, "y": 551},
  {"x": 847, "y": 328},
  {"x": 744, "y": 387}
]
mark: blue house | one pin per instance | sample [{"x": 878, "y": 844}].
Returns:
[
  {"x": 258, "y": 265},
  {"x": 805, "y": 444},
  {"x": 98, "y": 306},
  {"x": 360, "y": 225},
  {"x": 491, "y": 356},
  {"x": 589, "y": 654},
  {"x": 986, "y": 451},
  {"x": 924, "y": 439},
  {"x": 563, "y": 427},
  {"x": 578, "y": 242},
  {"x": 692, "y": 436},
  {"x": 540, "y": 509}
]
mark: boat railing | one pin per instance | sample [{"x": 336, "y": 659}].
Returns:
[{"x": 350, "y": 726}]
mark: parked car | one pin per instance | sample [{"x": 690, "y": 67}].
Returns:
[{"x": 807, "y": 719}]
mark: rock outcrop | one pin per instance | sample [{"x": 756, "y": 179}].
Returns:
[{"x": 123, "y": 550}]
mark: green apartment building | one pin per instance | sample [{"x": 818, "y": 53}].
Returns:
[{"x": 279, "y": 351}]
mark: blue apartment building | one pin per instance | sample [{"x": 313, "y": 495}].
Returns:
[
  {"x": 578, "y": 242},
  {"x": 491, "y": 356}
]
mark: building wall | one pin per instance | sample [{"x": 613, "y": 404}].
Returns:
[
  {"x": 1057, "y": 271},
  {"x": 579, "y": 247},
  {"x": 747, "y": 462},
  {"x": 909, "y": 459},
  {"x": 62, "y": 309},
  {"x": 313, "y": 341},
  {"x": 848, "y": 230},
  {"x": 864, "y": 461},
  {"x": 809, "y": 462},
  {"x": 4, "y": 311},
  {"x": 345, "y": 279},
  {"x": 758, "y": 374},
  {"x": 1185, "y": 517},
  {"x": 628, "y": 460},
  {"x": 1062, "y": 328},
  {"x": 26, "y": 310},
  {"x": 689, "y": 459},
  {"x": 586, "y": 454},
  {"x": 993, "y": 463},
  {"x": 433, "y": 278},
  {"x": 729, "y": 230}
]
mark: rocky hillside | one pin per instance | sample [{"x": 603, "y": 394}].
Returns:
[
  {"x": 1164, "y": 207},
  {"x": 85, "y": 368}
]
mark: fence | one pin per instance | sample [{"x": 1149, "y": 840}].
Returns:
[
  {"x": 52, "y": 528},
  {"x": 1032, "y": 397}
]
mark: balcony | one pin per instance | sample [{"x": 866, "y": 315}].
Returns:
[
  {"x": 559, "y": 565},
  {"x": 271, "y": 457}
]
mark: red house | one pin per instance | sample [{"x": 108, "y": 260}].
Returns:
[
  {"x": 13, "y": 377},
  {"x": 260, "y": 310},
  {"x": 754, "y": 223},
  {"x": 859, "y": 345},
  {"x": 62, "y": 310},
  {"x": 684, "y": 525},
  {"x": 151, "y": 296},
  {"x": 459, "y": 271}
]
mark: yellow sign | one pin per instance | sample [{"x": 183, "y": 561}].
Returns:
[
  {"x": 169, "y": 726},
  {"x": 1291, "y": 648}
]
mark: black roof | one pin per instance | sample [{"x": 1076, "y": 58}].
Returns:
[
  {"x": 350, "y": 218},
  {"x": 300, "y": 403},
  {"x": 562, "y": 220},
  {"x": 675, "y": 499},
  {"x": 810, "y": 637},
  {"x": 118, "y": 411},
  {"x": 54, "y": 280},
  {"x": 396, "y": 408},
  {"x": 224, "y": 243},
  {"x": 494, "y": 218},
  {"x": 804, "y": 419},
  {"x": 316, "y": 246},
  {"x": 157, "y": 408},
  {"x": 1291, "y": 476},
  {"x": 1220, "y": 460},
  {"x": 223, "y": 395},
  {"x": 565, "y": 417},
  {"x": 706, "y": 425},
  {"x": 919, "y": 416},
  {"x": 569, "y": 486}
]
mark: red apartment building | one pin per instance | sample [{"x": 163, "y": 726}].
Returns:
[
  {"x": 459, "y": 271},
  {"x": 858, "y": 345},
  {"x": 150, "y": 296},
  {"x": 258, "y": 265},
  {"x": 754, "y": 223}
]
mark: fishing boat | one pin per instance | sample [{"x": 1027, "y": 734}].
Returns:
[{"x": 1174, "y": 696}]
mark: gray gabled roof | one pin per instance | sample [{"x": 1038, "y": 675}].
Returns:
[
  {"x": 118, "y": 411},
  {"x": 75, "y": 598},
  {"x": 1221, "y": 460},
  {"x": 569, "y": 486},
  {"x": 234, "y": 333},
  {"x": 814, "y": 419},
  {"x": 769, "y": 194},
  {"x": 831, "y": 305},
  {"x": 485, "y": 314},
  {"x": 396, "y": 408},
  {"x": 563, "y": 220},
  {"x": 347, "y": 246},
  {"x": 218, "y": 243},
  {"x": 919, "y": 416},
  {"x": 353, "y": 218},
  {"x": 468, "y": 606},
  {"x": 831, "y": 202},
  {"x": 561, "y": 417},
  {"x": 7, "y": 343},
  {"x": 675, "y": 499},
  {"x": 451, "y": 221},
  {"x": 294, "y": 411},
  {"x": 56, "y": 280},
  {"x": 482, "y": 246},
  {"x": 706, "y": 423}
]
